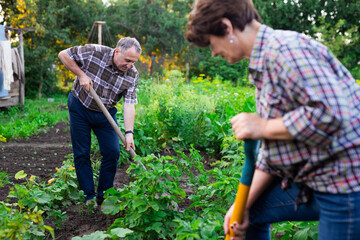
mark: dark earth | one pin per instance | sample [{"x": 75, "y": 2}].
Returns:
[{"x": 39, "y": 155}]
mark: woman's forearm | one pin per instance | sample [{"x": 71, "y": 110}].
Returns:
[
  {"x": 275, "y": 129},
  {"x": 260, "y": 182}
]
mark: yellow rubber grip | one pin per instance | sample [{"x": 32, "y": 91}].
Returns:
[{"x": 240, "y": 203}]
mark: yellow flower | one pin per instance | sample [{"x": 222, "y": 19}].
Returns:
[
  {"x": 32, "y": 178},
  {"x": 2, "y": 138},
  {"x": 71, "y": 168},
  {"x": 51, "y": 181},
  {"x": 57, "y": 169}
]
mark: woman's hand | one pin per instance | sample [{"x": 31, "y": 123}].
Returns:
[
  {"x": 252, "y": 126},
  {"x": 248, "y": 126},
  {"x": 238, "y": 229}
]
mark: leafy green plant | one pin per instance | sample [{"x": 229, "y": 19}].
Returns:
[
  {"x": 295, "y": 230},
  {"x": 197, "y": 228},
  {"x": 221, "y": 69},
  {"x": 22, "y": 224},
  {"x": 25, "y": 221},
  {"x": 149, "y": 201},
  {"x": 115, "y": 233}
]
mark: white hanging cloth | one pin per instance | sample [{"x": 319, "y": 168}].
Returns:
[{"x": 6, "y": 63}]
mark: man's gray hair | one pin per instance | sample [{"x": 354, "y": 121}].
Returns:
[{"x": 127, "y": 42}]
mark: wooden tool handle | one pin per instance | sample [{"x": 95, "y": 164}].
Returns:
[{"x": 110, "y": 119}]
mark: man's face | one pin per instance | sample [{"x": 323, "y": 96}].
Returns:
[{"x": 125, "y": 60}]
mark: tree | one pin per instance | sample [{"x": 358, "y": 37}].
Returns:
[
  {"x": 337, "y": 22},
  {"x": 58, "y": 25},
  {"x": 157, "y": 24}
]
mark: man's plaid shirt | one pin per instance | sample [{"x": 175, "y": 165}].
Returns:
[
  {"x": 109, "y": 83},
  {"x": 297, "y": 78}
]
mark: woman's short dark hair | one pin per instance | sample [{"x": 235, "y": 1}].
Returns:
[{"x": 206, "y": 18}]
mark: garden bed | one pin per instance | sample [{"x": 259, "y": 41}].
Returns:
[{"x": 39, "y": 155}]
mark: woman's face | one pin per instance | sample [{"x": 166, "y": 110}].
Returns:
[{"x": 221, "y": 46}]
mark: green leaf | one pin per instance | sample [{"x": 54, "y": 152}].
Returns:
[
  {"x": 139, "y": 202},
  {"x": 73, "y": 184},
  {"x": 301, "y": 234},
  {"x": 157, "y": 226},
  {"x": 120, "y": 232},
  {"x": 154, "y": 205},
  {"x": 20, "y": 175},
  {"x": 180, "y": 192},
  {"x": 98, "y": 235},
  {"x": 51, "y": 230},
  {"x": 142, "y": 208},
  {"x": 42, "y": 197},
  {"x": 74, "y": 194},
  {"x": 110, "y": 205}
]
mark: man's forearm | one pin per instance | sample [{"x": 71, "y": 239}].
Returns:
[
  {"x": 70, "y": 64},
  {"x": 129, "y": 116}
]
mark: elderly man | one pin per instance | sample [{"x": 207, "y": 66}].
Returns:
[{"x": 112, "y": 74}]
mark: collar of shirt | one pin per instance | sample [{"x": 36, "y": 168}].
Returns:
[{"x": 256, "y": 63}]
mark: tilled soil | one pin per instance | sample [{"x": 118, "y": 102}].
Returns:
[{"x": 39, "y": 155}]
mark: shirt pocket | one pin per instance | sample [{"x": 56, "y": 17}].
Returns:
[{"x": 106, "y": 90}]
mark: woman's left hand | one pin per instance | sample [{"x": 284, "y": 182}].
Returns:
[{"x": 238, "y": 229}]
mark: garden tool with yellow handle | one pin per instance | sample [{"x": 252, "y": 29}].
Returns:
[{"x": 251, "y": 148}]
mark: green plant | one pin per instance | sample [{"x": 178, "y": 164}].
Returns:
[
  {"x": 198, "y": 228},
  {"x": 296, "y": 230},
  {"x": 25, "y": 221},
  {"x": 221, "y": 69},
  {"x": 148, "y": 202},
  {"x": 36, "y": 116},
  {"x": 18, "y": 224}
]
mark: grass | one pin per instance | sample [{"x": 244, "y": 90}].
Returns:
[{"x": 35, "y": 116}]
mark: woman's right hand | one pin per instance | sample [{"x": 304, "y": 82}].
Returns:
[{"x": 238, "y": 229}]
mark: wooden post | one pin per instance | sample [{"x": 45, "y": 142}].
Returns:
[
  {"x": 99, "y": 34},
  {"x": 99, "y": 24}
]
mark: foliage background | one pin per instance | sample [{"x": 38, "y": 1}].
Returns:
[{"x": 159, "y": 25}]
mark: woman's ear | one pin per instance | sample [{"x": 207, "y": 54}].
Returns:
[{"x": 227, "y": 23}]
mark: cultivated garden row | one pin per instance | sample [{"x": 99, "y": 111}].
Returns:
[{"x": 173, "y": 115}]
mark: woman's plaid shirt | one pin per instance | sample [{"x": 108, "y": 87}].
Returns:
[
  {"x": 109, "y": 83},
  {"x": 297, "y": 78}
]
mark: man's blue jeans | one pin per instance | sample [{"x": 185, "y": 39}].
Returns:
[
  {"x": 338, "y": 214},
  {"x": 82, "y": 121}
]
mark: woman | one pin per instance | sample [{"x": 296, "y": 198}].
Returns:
[{"x": 308, "y": 117}]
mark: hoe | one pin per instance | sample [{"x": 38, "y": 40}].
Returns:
[
  {"x": 251, "y": 151},
  {"x": 112, "y": 122}
]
